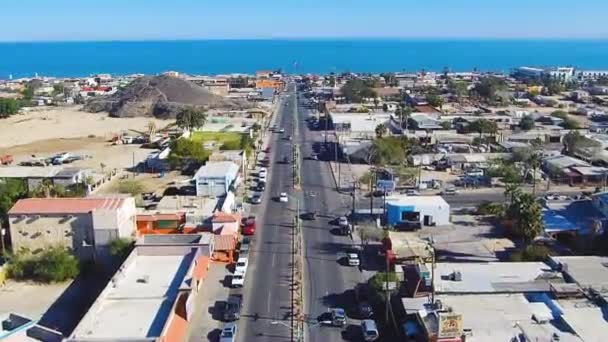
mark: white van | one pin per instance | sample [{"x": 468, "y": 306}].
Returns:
[{"x": 369, "y": 330}]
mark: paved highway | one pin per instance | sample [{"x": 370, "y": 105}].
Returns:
[
  {"x": 267, "y": 297},
  {"x": 325, "y": 279}
]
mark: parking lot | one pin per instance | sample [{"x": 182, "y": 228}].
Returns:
[{"x": 469, "y": 239}]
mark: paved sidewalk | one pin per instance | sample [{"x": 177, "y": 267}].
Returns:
[{"x": 205, "y": 324}]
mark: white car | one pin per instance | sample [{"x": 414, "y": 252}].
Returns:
[
  {"x": 283, "y": 197},
  {"x": 353, "y": 259},
  {"x": 238, "y": 280},
  {"x": 342, "y": 221},
  {"x": 282, "y": 130},
  {"x": 241, "y": 266},
  {"x": 263, "y": 173}
]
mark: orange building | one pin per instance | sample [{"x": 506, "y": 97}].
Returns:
[
  {"x": 269, "y": 83},
  {"x": 162, "y": 224}
]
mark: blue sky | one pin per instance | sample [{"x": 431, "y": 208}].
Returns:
[{"x": 27, "y": 20}]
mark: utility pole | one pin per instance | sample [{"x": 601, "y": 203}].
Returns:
[
  {"x": 387, "y": 293},
  {"x": 371, "y": 193},
  {"x": 336, "y": 151},
  {"x": 354, "y": 200}
]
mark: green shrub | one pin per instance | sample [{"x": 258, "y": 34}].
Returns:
[
  {"x": 490, "y": 208},
  {"x": 120, "y": 248},
  {"x": 377, "y": 284},
  {"x": 531, "y": 253},
  {"x": 55, "y": 264},
  {"x": 231, "y": 145},
  {"x": 131, "y": 187}
]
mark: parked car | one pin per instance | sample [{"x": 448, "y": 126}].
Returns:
[
  {"x": 338, "y": 317},
  {"x": 262, "y": 173},
  {"x": 283, "y": 197},
  {"x": 256, "y": 199},
  {"x": 342, "y": 221},
  {"x": 281, "y": 130},
  {"x": 248, "y": 225},
  {"x": 241, "y": 265},
  {"x": 364, "y": 309},
  {"x": 233, "y": 308},
  {"x": 261, "y": 186},
  {"x": 353, "y": 259},
  {"x": 237, "y": 280},
  {"x": 244, "y": 247},
  {"x": 411, "y": 192},
  {"x": 449, "y": 191},
  {"x": 228, "y": 333},
  {"x": 369, "y": 330}
]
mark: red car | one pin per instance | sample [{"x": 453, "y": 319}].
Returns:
[{"x": 248, "y": 225}]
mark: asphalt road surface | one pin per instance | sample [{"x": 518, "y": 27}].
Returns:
[
  {"x": 326, "y": 280},
  {"x": 267, "y": 297},
  {"x": 266, "y": 292}
]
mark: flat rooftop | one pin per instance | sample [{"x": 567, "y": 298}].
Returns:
[
  {"x": 495, "y": 277},
  {"x": 401, "y": 199},
  {"x": 185, "y": 204},
  {"x": 137, "y": 301},
  {"x": 587, "y": 271},
  {"x": 504, "y": 317}
]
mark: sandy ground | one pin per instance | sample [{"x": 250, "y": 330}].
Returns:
[
  {"x": 46, "y": 131},
  {"x": 66, "y": 122}
]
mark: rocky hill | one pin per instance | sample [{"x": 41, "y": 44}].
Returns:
[{"x": 158, "y": 96}]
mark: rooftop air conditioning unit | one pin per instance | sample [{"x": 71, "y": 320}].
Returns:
[{"x": 457, "y": 276}]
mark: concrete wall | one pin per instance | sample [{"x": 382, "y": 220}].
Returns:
[
  {"x": 41, "y": 231},
  {"x": 212, "y": 187}
]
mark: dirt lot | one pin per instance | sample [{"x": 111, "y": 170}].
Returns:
[
  {"x": 42, "y": 124},
  {"x": 468, "y": 238},
  {"x": 48, "y": 131}
]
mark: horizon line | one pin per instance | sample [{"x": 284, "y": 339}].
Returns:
[{"x": 312, "y": 38}]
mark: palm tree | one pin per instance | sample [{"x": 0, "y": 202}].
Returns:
[
  {"x": 376, "y": 102},
  {"x": 404, "y": 112},
  {"x": 191, "y": 118},
  {"x": 534, "y": 162},
  {"x": 380, "y": 131}
]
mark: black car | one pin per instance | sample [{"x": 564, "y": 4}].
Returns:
[
  {"x": 261, "y": 186},
  {"x": 309, "y": 216},
  {"x": 365, "y": 310},
  {"x": 233, "y": 308}
]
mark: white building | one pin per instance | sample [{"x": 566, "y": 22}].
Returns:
[
  {"x": 414, "y": 211},
  {"x": 215, "y": 178}
]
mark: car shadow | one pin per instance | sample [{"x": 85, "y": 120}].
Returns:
[
  {"x": 217, "y": 310},
  {"x": 352, "y": 333},
  {"x": 214, "y": 335}
]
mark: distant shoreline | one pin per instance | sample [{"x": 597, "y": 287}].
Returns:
[
  {"x": 321, "y": 39},
  {"x": 296, "y": 56}
]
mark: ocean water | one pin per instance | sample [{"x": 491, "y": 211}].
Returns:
[{"x": 302, "y": 56}]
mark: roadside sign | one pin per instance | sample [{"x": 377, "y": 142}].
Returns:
[
  {"x": 385, "y": 185},
  {"x": 450, "y": 325}
]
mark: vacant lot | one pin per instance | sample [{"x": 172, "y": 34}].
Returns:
[
  {"x": 219, "y": 137},
  {"x": 47, "y": 123}
]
